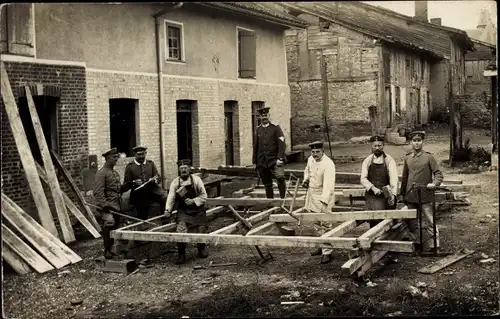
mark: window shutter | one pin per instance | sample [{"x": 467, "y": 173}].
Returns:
[{"x": 247, "y": 54}]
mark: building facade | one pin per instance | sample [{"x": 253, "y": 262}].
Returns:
[{"x": 182, "y": 79}]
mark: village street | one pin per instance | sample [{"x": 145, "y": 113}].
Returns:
[{"x": 161, "y": 288}]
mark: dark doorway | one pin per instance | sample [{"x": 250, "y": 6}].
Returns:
[
  {"x": 229, "y": 130},
  {"x": 185, "y": 129},
  {"x": 256, "y": 105},
  {"x": 46, "y": 107},
  {"x": 123, "y": 120},
  {"x": 388, "y": 102}
]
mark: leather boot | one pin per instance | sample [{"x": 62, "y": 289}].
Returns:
[
  {"x": 269, "y": 191},
  {"x": 317, "y": 252},
  {"x": 202, "y": 251},
  {"x": 108, "y": 242},
  {"x": 181, "y": 251},
  {"x": 282, "y": 187}
]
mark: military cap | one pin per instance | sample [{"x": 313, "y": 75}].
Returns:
[
  {"x": 112, "y": 151},
  {"x": 139, "y": 148},
  {"x": 184, "y": 162},
  {"x": 264, "y": 110},
  {"x": 316, "y": 144},
  {"x": 420, "y": 133},
  {"x": 377, "y": 138}
]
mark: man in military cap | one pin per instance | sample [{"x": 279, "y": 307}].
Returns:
[
  {"x": 319, "y": 179},
  {"x": 107, "y": 194},
  {"x": 187, "y": 195},
  {"x": 420, "y": 171},
  {"x": 379, "y": 170},
  {"x": 269, "y": 154},
  {"x": 141, "y": 175}
]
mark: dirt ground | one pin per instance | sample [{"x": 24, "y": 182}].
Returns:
[{"x": 162, "y": 289}]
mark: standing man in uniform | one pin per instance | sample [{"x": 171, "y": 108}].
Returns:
[
  {"x": 137, "y": 173},
  {"x": 187, "y": 195},
  {"x": 319, "y": 179},
  {"x": 378, "y": 170},
  {"x": 107, "y": 194},
  {"x": 421, "y": 170},
  {"x": 269, "y": 154}
]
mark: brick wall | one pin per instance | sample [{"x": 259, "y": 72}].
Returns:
[
  {"x": 72, "y": 126},
  {"x": 474, "y": 111}
]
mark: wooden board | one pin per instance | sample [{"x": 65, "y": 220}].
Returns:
[
  {"x": 71, "y": 206},
  {"x": 25, "y": 155},
  {"x": 262, "y": 229},
  {"x": 67, "y": 176},
  {"x": 366, "y": 239},
  {"x": 20, "y": 219},
  {"x": 345, "y": 216},
  {"x": 24, "y": 251},
  {"x": 445, "y": 262},
  {"x": 341, "y": 229},
  {"x": 253, "y": 219},
  {"x": 15, "y": 261},
  {"x": 252, "y": 202},
  {"x": 68, "y": 234}
]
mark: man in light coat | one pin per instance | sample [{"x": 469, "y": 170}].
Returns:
[{"x": 319, "y": 179}]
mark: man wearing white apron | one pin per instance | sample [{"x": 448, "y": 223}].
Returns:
[{"x": 319, "y": 179}]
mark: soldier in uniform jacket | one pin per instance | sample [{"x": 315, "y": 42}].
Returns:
[
  {"x": 420, "y": 170},
  {"x": 139, "y": 172},
  {"x": 107, "y": 195},
  {"x": 269, "y": 154}
]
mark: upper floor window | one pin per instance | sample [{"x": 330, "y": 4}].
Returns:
[
  {"x": 174, "y": 41},
  {"x": 246, "y": 54}
]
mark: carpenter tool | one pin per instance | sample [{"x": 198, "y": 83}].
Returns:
[
  {"x": 434, "y": 228},
  {"x": 154, "y": 178},
  {"x": 419, "y": 190},
  {"x": 295, "y": 185},
  {"x": 112, "y": 211}
]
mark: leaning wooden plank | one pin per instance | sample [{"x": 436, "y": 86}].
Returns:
[
  {"x": 341, "y": 229},
  {"x": 71, "y": 206},
  {"x": 76, "y": 190},
  {"x": 24, "y": 251},
  {"x": 440, "y": 196},
  {"x": 41, "y": 242},
  {"x": 344, "y": 216},
  {"x": 25, "y": 155},
  {"x": 54, "y": 242},
  {"x": 253, "y": 219},
  {"x": 445, "y": 262},
  {"x": 68, "y": 234},
  {"x": 251, "y": 202},
  {"x": 262, "y": 229},
  {"x": 366, "y": 239},
  {"x": 224, "y": 239},
  {"x": 15, "y": 261}
]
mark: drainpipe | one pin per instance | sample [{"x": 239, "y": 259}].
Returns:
[{"x": 159, "y": 66}]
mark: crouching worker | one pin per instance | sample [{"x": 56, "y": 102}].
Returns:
[
  {"x": 187, "y": 195},
  {"x": 319, "y": 179},
  {"x": 421, "y": 170},
  {"x": 379, "y": 170},
  {"x": 107, "y": 195}
]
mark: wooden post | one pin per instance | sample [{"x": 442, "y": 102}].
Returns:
[
  {"x": 324, "y": 78},
  {"x": 452, "y": 115}
]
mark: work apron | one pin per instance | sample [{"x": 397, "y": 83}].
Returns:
[
  {"x": 190, "y": 214},
  {"x": 378, "y": 175}
]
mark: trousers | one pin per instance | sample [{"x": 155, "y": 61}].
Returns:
[
  {"x": 267, "y": 174},
  {"x": 427, "y": 229}
]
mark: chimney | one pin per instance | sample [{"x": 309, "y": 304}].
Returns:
[
  {"x": 421, "y": 10},
  {"x": 436, "y": 21}
]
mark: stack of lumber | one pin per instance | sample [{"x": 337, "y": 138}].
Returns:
[{"x": 44, "y": 237}]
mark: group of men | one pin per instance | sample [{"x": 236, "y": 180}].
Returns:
[{"x": 187, "y": 194}]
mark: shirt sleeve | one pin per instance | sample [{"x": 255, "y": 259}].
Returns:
[
  {"x": 281, "y": 142},
  {"x": 404, "y": 179},
  {"x": 202, "y": 193},
  {"x": 306, "y": 170},
  {"x": 171, "y": 195},
  {"x": 98, "y": 191},
  {"x": 393, "y": 174},
  {"x": 127, "y": 179},
  {"x": 328, "y": 183},
  {"x": 364, "y": 174},
  {"x": 436, "y": 171},
  {"x": 154, "y": 169}
]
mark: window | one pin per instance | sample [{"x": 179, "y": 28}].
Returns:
[
  {"x": 123, "y": 122},
  {"x": 174, "y": 41},
  {"x": 246, "y": 54},
  {"x": 398, "y": 99}
]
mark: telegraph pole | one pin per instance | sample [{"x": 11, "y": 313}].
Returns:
[{"x": 324, "y": 79}]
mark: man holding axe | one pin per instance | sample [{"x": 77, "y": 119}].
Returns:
[
  {"x": 379, "y": 175},
  {"x": 187, "y": 195}
]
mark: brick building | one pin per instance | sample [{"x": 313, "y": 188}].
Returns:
[
  {"x": 374, "y": 57},
  {"x": 182, "y": 79}
]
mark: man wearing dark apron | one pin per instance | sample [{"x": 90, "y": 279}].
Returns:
[
  {"x": 378, "y": 171},
  {"x": 187, "y": 195}
]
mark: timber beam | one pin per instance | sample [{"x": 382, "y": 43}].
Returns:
[
  {"x": 345, "y": 216},
  {"x": 252, "y": 202}
]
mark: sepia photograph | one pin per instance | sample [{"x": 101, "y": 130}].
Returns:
[{"x": 249, "y": 159}]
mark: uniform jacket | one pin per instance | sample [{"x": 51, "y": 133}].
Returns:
[
  {"x": 269, "y": 145},
  {"x": 107, "y": 188},
  {"x": 321, "y": 177},
  {"x": 420, "y": 169},
  {"x": 135, "y": 171}
]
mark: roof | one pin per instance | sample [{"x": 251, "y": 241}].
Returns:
[
  {"x": 482, "y": 51},
  {"x": 265, "y": 11},
  {"x": 361, "y": 19}
]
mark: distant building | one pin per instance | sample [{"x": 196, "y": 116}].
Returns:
[{"x": 486, "y": 31}]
